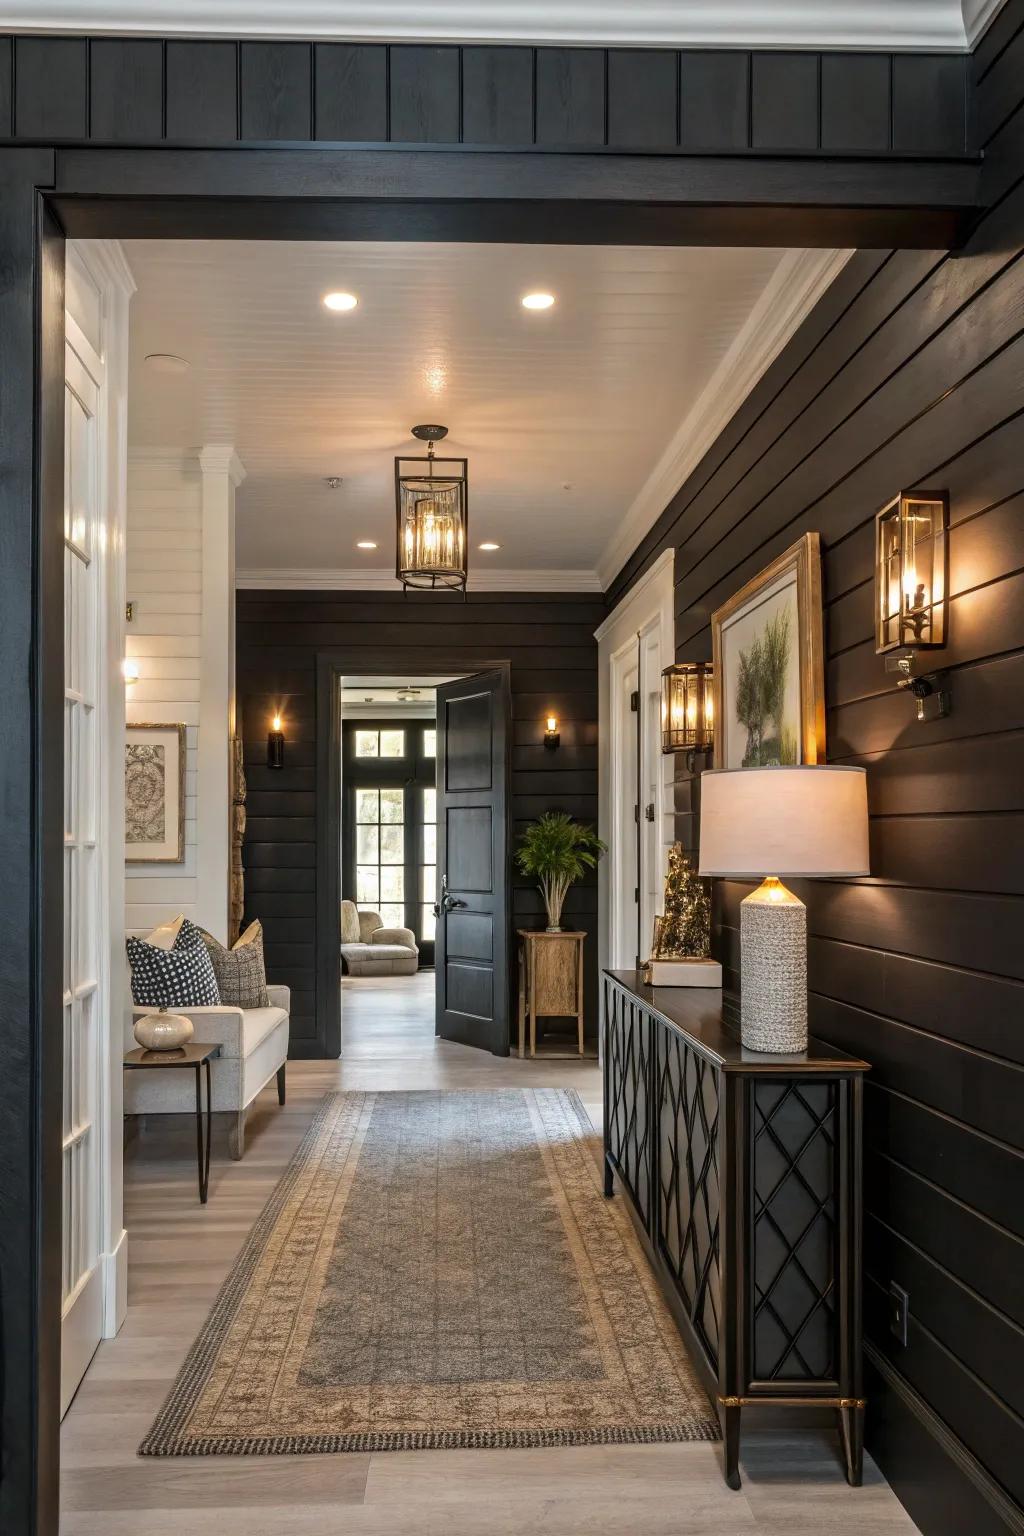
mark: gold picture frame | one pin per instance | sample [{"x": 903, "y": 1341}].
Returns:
[
  {"x": 770, "y": 623},
  {"x": 154, "y": 812}
]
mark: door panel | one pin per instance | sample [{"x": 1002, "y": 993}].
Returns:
[{"x": 472, "y": 964}]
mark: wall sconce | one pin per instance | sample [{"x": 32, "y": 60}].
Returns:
[
  {"x": 551, "y": 736},
  {"x": 130, "y": 670},
  {"x": 688, "y": 707},
  {"x": 275, "y": 744},
  {"x": 911, "y": 559}
]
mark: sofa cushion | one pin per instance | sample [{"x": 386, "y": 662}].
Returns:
[
  {"x": 241, "y": 976},
  {"x": 386, "y": 952},
  {"x": 349, "y": 923},
  {"x": 369, "y": 922},
  {"x": 181, "y": 977},
  {"x": 257, "y": 1024}
]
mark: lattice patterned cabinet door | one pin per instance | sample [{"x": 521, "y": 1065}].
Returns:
[
  {"x": 688, "y": 1178},
  {"x": 794, "y": 1215},
  {"x": 627, "y": 1046}
]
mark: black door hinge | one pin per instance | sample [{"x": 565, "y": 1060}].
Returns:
[{"x": 634, "y": 701}]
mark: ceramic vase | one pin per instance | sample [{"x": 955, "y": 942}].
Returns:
[{"x": 163, "y": 1031}]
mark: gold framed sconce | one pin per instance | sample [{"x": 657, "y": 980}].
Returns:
[
  {"x": 688, "y": 708},
  {"x": 551, "y": 733},
  {"x": 275, "y": 744},
  {"x": 911, "y": 577}
]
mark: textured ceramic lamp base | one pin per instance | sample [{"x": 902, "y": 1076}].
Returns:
[{"x": 773, "y": 970}]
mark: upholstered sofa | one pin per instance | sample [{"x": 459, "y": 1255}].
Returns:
[
  {"x": 370, "y": 949},
  {"x": 254, "y": 1048}
]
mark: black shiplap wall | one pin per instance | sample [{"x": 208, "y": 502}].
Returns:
[
  {"x": 549, "y": 640},
  {"x": 213, "y": 91},
  {"x": 911, "y": 370}
]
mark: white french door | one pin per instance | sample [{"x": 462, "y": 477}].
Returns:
[{"x": 85, "y": 967}]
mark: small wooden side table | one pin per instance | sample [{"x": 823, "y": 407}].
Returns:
[
  {"x": 197, "y": 1056},
  {"x": 550, "y": 981}
]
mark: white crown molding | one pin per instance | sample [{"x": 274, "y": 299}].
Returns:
[
  {"x": 221, "y": 459},
  {"x": 650, "y": 577},
  {"x": 795, "y": 287},
  {"x": 106, "y": 259},
  {"x": 978, "y": 17},
  {"x": 366, "y": 580},
  {"x": 889, "y": 24}
]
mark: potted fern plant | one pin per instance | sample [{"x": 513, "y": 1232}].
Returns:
[{"x": 557, "y": 850}]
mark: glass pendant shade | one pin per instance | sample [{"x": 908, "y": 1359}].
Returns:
[
  {"x": 431, "y": 504},
  {"x": 910, "y": 571},
  {"x": 687, "y": 707}
]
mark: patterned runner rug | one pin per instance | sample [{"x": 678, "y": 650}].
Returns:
[{"x": 437, "y": 1270}]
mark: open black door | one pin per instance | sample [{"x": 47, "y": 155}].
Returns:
[{"x": 472, "y": 942}]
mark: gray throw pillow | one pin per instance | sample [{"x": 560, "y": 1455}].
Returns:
[{"x": 240, "y": 972}]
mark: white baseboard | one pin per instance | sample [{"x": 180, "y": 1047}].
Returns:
[{"x": 115, "y": 1286}]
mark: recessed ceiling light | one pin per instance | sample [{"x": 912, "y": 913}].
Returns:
[
  {"x": 490, "y": 546},
  {"x": 366, "y": 544},
  {"x": 166, "y": 362},
  {"x": 537, "y": 300},
  {"x": 340, "y": 300}
]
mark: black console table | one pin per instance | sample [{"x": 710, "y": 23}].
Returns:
[{"x": 743, "y": 1175}]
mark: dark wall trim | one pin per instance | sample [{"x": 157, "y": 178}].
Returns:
[
  {"x": 108, "y": 90},
  {"x": 31, "y": 782}
]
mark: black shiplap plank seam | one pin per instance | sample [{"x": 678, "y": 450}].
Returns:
[
  {"x": 962, "y": 1285},
  {"x": 953, "y": 1045},
  {"x": 653, "y": 539},
  {"x": 952, "y": 671},
  {"x": 947, "y": 1194},
  {"x": 878, "y": 447},
  {"x": 878, "y": 949},
  {"x": 929, "y": 277},
  {"x": 915, "y": 746},
  {"x": 997, "y": 56}
]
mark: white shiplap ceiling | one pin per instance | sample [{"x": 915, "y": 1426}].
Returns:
[
  {"x": 566, "y": 416},
  {"x": 941, "y": 24}
]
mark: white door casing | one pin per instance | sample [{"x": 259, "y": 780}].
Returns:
[
  {"x": 94, "y": 1251},
  {"x": 634, "y": 643}
]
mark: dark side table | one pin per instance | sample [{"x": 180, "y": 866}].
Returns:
[{"x": 197, "y": 1056}]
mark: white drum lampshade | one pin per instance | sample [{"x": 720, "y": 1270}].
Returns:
[{"x": 803, "y": 823}]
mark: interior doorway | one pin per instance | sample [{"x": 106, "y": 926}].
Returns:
[{"x": 414, "y": 796}]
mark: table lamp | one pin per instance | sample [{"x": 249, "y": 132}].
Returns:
[{"x": 803, "y": 823}]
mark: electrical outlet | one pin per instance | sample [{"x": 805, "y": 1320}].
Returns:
[{"x": 899, "y": 1310}]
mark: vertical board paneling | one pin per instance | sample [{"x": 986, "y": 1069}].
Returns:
[
  {"x": 497, "y": 95},
  {"x": 784, "y": 101},
  {"x": 50, "y": 89},
  {"x": 855, "y": 107},
  {"x": 570, "y": 96},
  {"x": 916, "y": 969},
  {"x": 6, "y": 78},
  {"x": 276, "y": 91},
  {"x": 714, "y": 95},
  {"x": 202, "y": 92},
  {"x": 548, "y": 640},
  {"x": 643, "y": 99},
  {"x": 126, "y": 90},
  {"x": 351, "y": 92},
  {"x": 424, "y": 89},
  {"x": 929, "y": 103}
]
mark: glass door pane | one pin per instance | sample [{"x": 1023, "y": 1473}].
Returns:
[{"x": 380, "y": 853}]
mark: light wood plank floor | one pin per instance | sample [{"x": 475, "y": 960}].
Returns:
[{"x": 179, "y": 1252}]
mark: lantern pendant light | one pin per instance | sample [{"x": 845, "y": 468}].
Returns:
[{"x": 432, "y": 513}]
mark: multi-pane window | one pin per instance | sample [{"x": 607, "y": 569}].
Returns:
[
  {"x": 380, "y": 743},
  {"x": 428, "y": 867},
  {"x": 380, "y": 851}
]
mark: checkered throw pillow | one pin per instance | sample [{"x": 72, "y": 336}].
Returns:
[
  {"x": 240, "y": 971},
  {"x": 180, "y": 977}
]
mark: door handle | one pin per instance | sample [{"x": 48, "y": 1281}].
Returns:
[{"x": 448, "y": 901}]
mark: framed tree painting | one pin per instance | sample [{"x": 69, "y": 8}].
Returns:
[
  {"x": 154, "y": 794},
  {"x": 769, "y": 665}
]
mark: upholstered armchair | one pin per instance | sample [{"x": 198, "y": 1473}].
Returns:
[{"x": 370, "y": 949}]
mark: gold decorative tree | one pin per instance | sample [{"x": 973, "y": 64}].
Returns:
[{"x": 684, "y": 933}]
